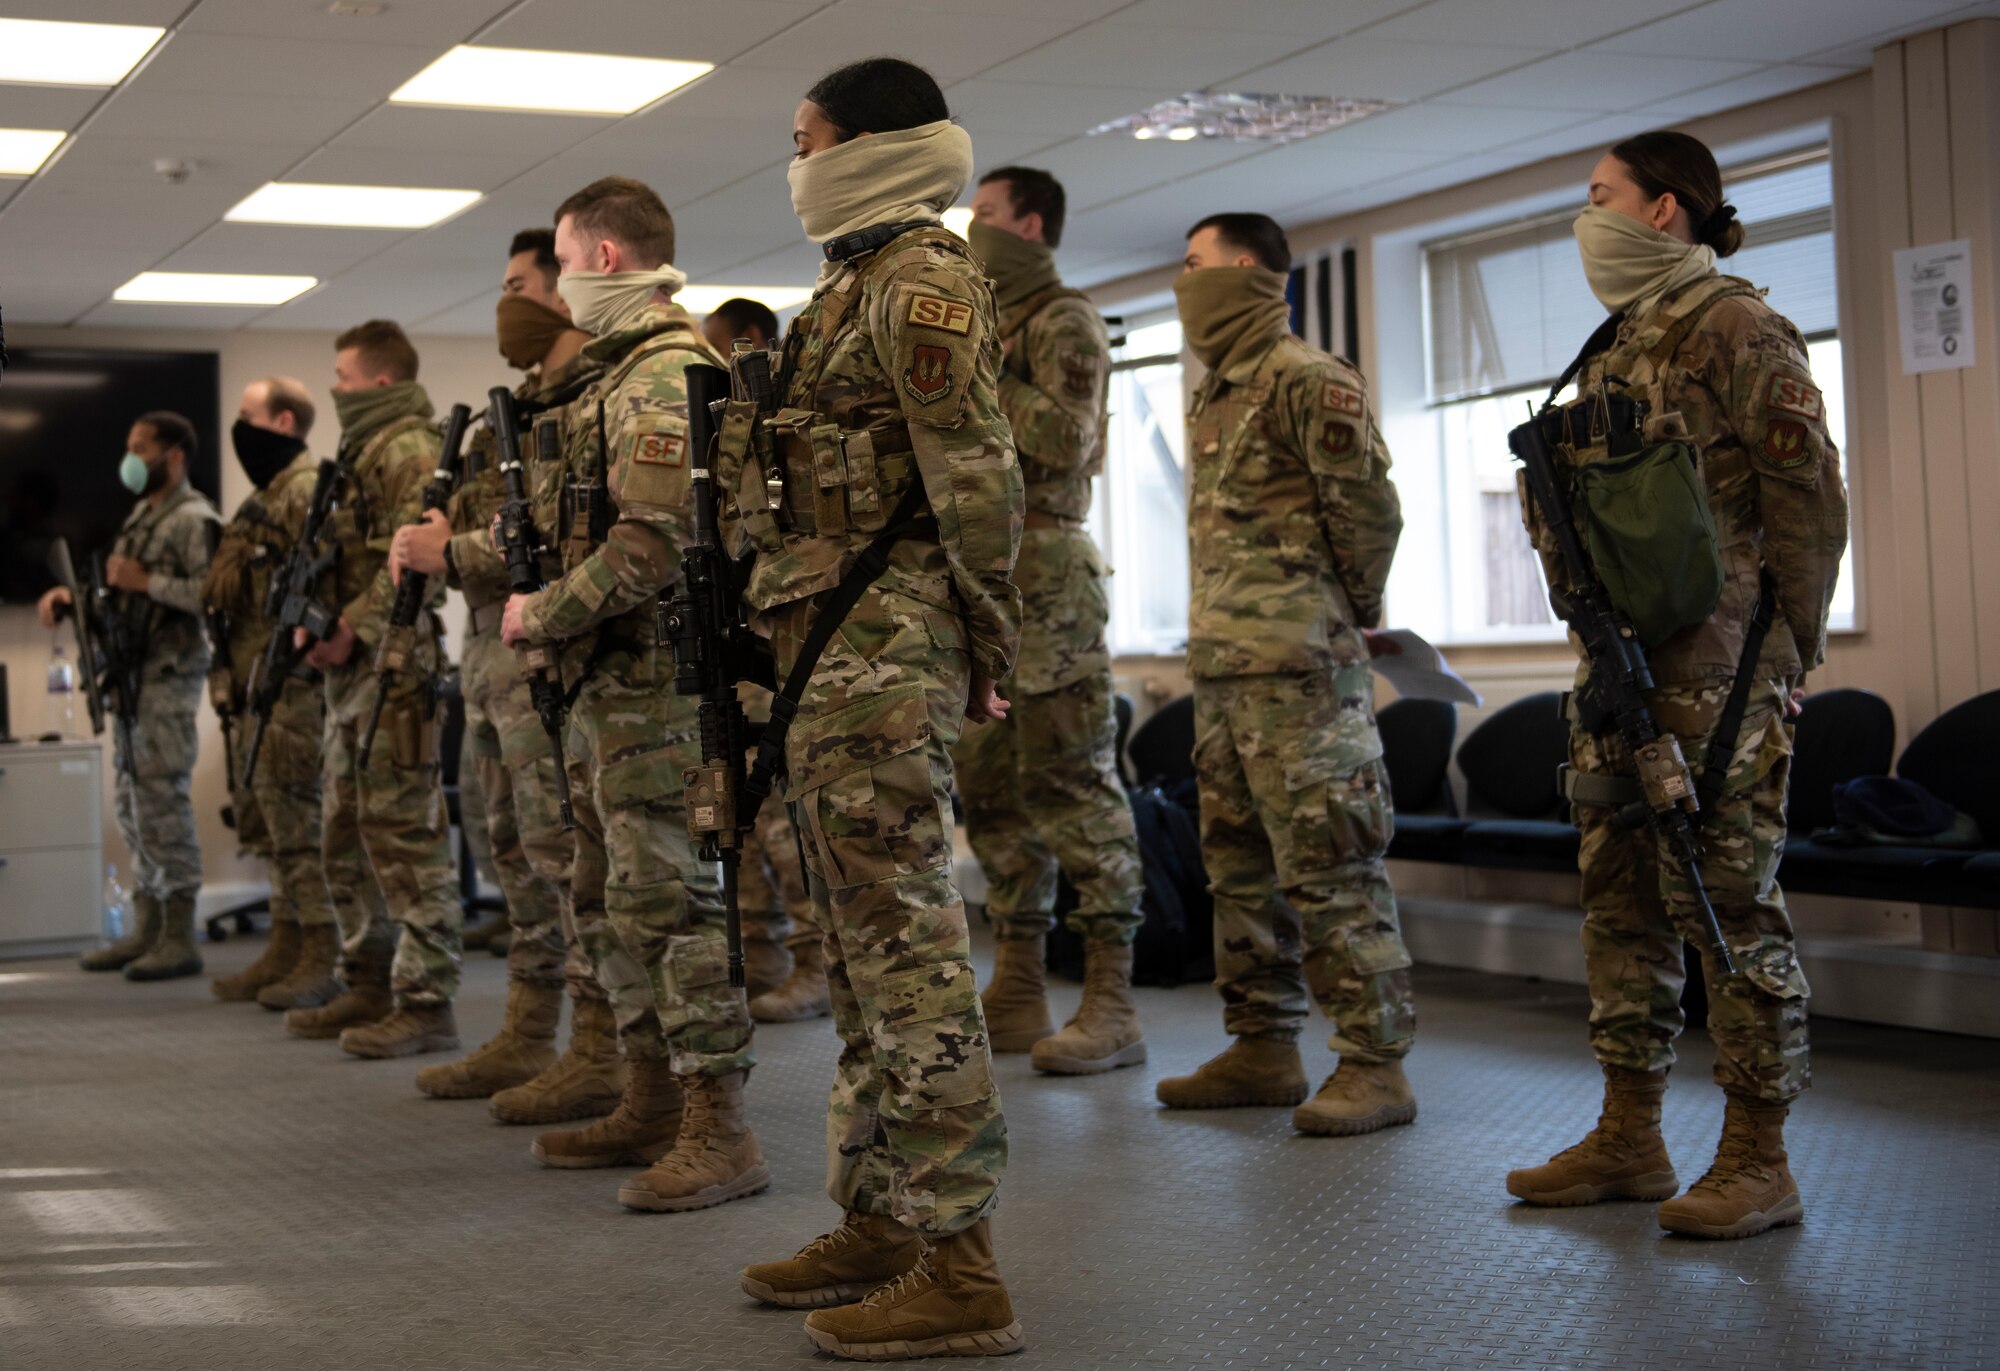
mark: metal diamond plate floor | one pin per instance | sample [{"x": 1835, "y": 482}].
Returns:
[{"x": 181, "y": 1185}]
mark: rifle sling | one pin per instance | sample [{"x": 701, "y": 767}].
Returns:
[
  {"x": 1722, "y": 746},
  {"x": 867, "y": 568}
]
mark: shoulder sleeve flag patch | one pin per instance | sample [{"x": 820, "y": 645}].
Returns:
[
  {"x": 934, "y": 311},
  {"x": 660, "y": 449}
]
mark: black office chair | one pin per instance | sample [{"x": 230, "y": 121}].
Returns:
[
  {"x": 1840, "y": 735},
  {"x": 1162, "y": 749},
  {"x": 1122, "y": 707},
  {"x": 241, "y": 915},
  {"x": 1956, "y": 757},
  {"x": 1417, "y": 737},
  {"x": 451, "y": 749}
]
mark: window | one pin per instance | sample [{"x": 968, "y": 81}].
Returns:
[
  {"x": 1505, "y": 309},
  {"x": 1139, "y": 515}
]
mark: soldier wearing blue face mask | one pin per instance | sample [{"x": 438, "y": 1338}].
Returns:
[{"x": 155, "y": 570}]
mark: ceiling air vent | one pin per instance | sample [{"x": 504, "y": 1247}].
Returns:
[{"x": 1242, "y": 118}]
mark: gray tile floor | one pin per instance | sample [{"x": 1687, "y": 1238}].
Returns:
[{"x": 183, "y": 1186}]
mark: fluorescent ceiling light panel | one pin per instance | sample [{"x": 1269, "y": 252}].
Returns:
[
  {"x": 212, "y": 288},
  {"x": 397, "y": 207},
  {"x": 22, "y": 151},
  {"x": 564, "y": 82},
  {"x": 46, "y": 52},
  {"x": 958, "y": 219},
  {"x": 704, "y": 299}
]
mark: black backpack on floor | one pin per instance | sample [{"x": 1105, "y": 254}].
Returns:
[{"x": 1174, "y": 944}]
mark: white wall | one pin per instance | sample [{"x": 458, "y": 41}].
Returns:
[{"x": 452, "y": 369}]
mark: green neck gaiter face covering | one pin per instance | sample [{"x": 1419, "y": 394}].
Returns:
[
  {"x": 1230, "y": 314},
  {"x": 361, "y": 412},
  {"x": 1018, "y": 267}
]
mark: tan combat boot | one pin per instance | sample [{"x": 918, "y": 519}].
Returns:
[
  {"x": 804, "y": 995},
  {"x": 715, "y": 1158},
  {"x": 311, "y": 981},
  {"x": 365, "y": 1000},
  {"x": 524, "y": 1047},
  {"x": 1359, "y": 1097},
  {"x": 637, "y": 1133},
  {"x": 951, "y": 1304},
  {"x": 278, "y": 957},
  {"x": 766, "y": 964},
  {"x": 1623, "y": 1158},
  {"x": 1750, "y": 1188},
  {"x": 145, "y": 931},
  {"x": 1104, "y": 1032},
  {"x": 1250, "y": 1071},
  {"x": 411, "y": 1030},
  {"x": 586, "y": 1081},
  {"x": 482, "y": 934},
  {"x": 173, "y": 954},
  {"x": 1016, "y": 1000},
  {"x": 866, "y": 1251}
]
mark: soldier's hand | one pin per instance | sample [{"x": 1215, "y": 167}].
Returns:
[
  {"x": 984, "y": 704},
  {"x": 513, "y": 623},
  {"x": 122, "y": 573},
  {"x": 420, "y": 547},
  {"x": 493, "y": 532},
  {"x": 1380, "y": 644},
  {"x": 52, "y": 605},
  {"x": 1795, "y": 703},
  {"x": 333, "y": 651}
]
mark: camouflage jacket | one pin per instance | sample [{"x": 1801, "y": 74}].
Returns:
[
  {"x": 1735, "y": 382},
  {"x": 891, "y": 377},
  {"x": 476, "y": 567},
  {"x": 254, "y": 545},
  {"x": 1054, "y": 384},
  {"x": 387, "y": 468},
  {"x": 173, "y": 540},
  {"x": 1292, "y": 518},
  {"x": 613, "y": 586}
]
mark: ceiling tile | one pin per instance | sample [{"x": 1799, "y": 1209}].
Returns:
[
  {"x": 518, "y": 133},
  {"x": 1526, "y": 23},
  {"x": 287, "y": 67},
  {"x": 1369, "y": 68},
  {"x": 1771, "y": 32},
  {"x": 1315, "y": 19},
  {"x": 1017, "y": 107},
  {"x": 1599, "y": 81},
  {"x": 377, "y": 290},
  {"x": 1187, "y": 59},
  {"x": 281, "y": 249},
  {"x": 157, "y": 12},
  {"x": 433, "y": 25},
  {"x": 1112, "y": 165},
  {"x": 45, "y": 107},
  {"x": 691, "y": 30},
  {"x": 1443, "y": 126},
  {"x": 1746, "y": 90},
  {"x": 168, "y": 116},
  {"x": 951, "y": 43},
  {"x": 205, "y": 318},
  {"x": 340, "y": 166}
]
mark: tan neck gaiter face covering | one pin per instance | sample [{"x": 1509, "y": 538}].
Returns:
[
  {"x": 1018, "y": 267},
  {"x": 528, "y": 329},
  {"x": 1630, "y": 265},
  {"x": 880, "y": 178},
  {"x": 1229, "y": 314}
]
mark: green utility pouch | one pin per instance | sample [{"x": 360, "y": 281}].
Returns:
[{"x": 1652, "y": 537}]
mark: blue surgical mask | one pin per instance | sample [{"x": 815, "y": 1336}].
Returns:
[{"x": 134, "y": 472}]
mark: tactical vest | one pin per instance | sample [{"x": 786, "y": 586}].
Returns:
[
  {"x": 1063, "y": 494},
  {"x": 259, "y": 543},
  {"x": 167, "y": 636},
  {"x": 353, "y": 519}
]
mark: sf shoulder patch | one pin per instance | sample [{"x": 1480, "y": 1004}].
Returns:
[
  {"x": 1337, "y": 439},
  {"x": 660, "y": 448},
  {"x": 1794, "y": 394},
  {"x": 934, "y": 311},
  {"x": 1785, "y": 443},
  {"x": 928, "y": 378},
  {"x": 1340, "y": 400}
]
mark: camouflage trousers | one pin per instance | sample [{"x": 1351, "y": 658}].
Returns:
[
  {"x": 152, "y": 790},
  {"x": 1295, "y": 819},
  {"x": 914, "y": 1127},
  {"x": 648, "y": 909},
  {"x": 278, "y": 816},
  {"x": 1638, "y": 907},
  {"x": 1042, "y": 793},
  {"x": 515, "y": 774},
  {"x": 385, "y": 831},
  {"x": 771, "y": 884}
]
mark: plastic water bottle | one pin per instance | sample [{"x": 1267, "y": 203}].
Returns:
[
  {"x": 117, "y": 908},
  {"x": 61, "y": 719}
]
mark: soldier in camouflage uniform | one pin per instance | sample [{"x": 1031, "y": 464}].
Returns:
[
  {"x": 1041, "y": 788},
  {"x": 1292, "y": 525},
  {"x": 384, "y": 831},
  {"x": 891, "y": 421},
  {"x": 509, "y": 752},
  {"x": 1712, "y": 363},
  {"x": 278, "y": 811},
  {"x": 155, "y": 572},
  {"x": 630, "y": 734},
  {"x": 781, "y": 933}
]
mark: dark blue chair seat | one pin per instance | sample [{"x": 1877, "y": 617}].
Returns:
[
  {"x": 1929, "y": 874},
  {"x": 1427, "y": 837},
  {"x": 1521, "y": 844}
]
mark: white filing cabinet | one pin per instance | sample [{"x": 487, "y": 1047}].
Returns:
[{"x": 51, "y": 847}]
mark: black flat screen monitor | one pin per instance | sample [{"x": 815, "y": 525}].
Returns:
[{"x": 64, "y": 416}]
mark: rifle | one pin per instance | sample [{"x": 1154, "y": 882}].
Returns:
[
  {"x": 84, "y": 602},
  {"x": 223, "y": 692},
  {"x": 1619, "y": 676},
  {"x": 713, "y": 650},
  {"x": 522, "y": 547},
  {"x": 399, "y": 640},
  {"x": 292, "y": 605}
]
